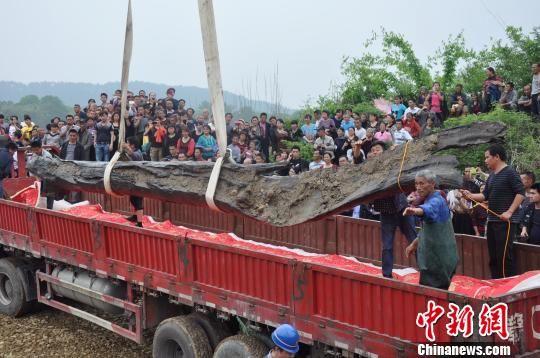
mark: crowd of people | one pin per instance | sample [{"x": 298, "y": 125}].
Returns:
[{"x": 167, "y": 129}]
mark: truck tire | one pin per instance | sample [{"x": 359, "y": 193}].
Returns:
[
  {"x": 241, "y": 346},
  {"x": 12, "y": 296},
  {"x": 180, "y": 337},
  {"x": 215, "y": 330}
]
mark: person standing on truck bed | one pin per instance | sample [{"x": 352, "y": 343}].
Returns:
[
  {"x": 6, "y": 161},
  {"x": 437, "y": 249},
  {"x": 72, "y": 150},
  {"x": 505, "y": 192},
  {"x": 38, "y": 151},
  {"x": 391, "y": 209},
  {"x": 132, "y": 150},
  {"x": 531, "y": 217},
  {"x": 285, "y": 338}
]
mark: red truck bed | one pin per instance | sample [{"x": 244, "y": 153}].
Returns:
[{"x": 352, "y": 311}]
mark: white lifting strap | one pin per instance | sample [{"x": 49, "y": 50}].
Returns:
[
  {"x": 212, "y": 184},
  {"x": 128, "y": 46},
  {"x": 213, "y": 72},
  {"x": 214, "y": 178},
  {"x": 107, "y": 175}
]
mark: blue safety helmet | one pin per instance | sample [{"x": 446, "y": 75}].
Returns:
[{"x": 286, "y": 337}]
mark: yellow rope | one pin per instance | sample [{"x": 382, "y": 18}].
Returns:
[
  {"x": 507, "y": 231},
  {"x": 476, "y": 203},
  {"x": 401, "y": 166}
]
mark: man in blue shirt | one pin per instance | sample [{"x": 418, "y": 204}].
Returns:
[
  {"x": 398, "y": 108},
  {"x": 309, "y": 130},
  {"x": 347, "y": 123},
  {"x": 437, "y": 249}
]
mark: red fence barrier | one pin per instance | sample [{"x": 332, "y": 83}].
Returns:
[{"x": 333, "y": 235}]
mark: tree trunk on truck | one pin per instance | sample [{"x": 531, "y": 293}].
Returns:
[{"x": 279, "y": 200}]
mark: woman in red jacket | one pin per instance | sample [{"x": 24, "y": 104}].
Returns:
[
  {"x": 186, "y": 144},
  {"x": 411, "y": 125}
]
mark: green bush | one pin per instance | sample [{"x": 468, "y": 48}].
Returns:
[
  {"x": 366, "y": 108},
  {"x": 522, "y": 140}
]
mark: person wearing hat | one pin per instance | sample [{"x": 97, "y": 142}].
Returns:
[{"x": 285, "y": 338}]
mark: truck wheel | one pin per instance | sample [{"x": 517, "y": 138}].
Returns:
[
  {"x": 12, "y": 297},
  {"x": 180, "y": 337},
  {"x": 241, "y": 346},
  {"x": 215, "y": 329}
]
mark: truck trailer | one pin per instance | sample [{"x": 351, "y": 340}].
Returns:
[{"x": 200, "y": 286}]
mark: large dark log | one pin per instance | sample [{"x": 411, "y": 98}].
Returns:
[{"x": 278, "y": 200}]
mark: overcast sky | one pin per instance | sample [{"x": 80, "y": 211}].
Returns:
[{"x": 81, "y": 41}]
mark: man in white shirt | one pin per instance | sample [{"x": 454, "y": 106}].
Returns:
[
  {"x": 401, "y": 136},
  {"x": 14, "y": 126},
  {"x": 324, "y": 142},
  {"x": 359, "y": 131},
  {"x": 317, "y": 162},
  {"x": 535, "y": 91},
  {"x": 411, "y": 109}
]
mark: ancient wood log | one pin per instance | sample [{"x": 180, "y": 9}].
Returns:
[{"x": 278, "y": 200}]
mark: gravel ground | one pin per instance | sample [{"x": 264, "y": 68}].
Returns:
[{"x": 52, "y": 333}]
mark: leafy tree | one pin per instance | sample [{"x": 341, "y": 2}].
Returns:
[
  {"x": 449, "y": 57},
  {"x": 41, "y": 110},
  {"x": 30, "y": 100},
  {"x": 397, "y": 70},
  {"x": 522, "y": 140},
  {"x": 513, "y": 58}
]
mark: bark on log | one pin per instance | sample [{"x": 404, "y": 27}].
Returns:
[{"x": 280, "y": 201}]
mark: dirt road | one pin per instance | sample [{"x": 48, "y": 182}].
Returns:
[{"x": 51, "y": 333}]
